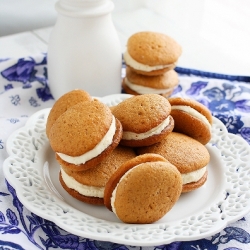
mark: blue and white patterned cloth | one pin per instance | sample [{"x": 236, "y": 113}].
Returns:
[{"x": 24, "y": 90}]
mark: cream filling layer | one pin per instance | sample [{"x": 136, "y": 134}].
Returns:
[
  {"x": 98, "y": 149},
  {"x": 145, "y": 90},
  {"x": 143, "y": 67},
  {"x": 85, "y": 190},
  {"x": 193, "y": 176},
  {"x": 192, "y": 112},
  {"x": 154, "y": 131}
]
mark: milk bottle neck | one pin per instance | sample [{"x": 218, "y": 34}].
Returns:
[{"x": 84, "y": 8}]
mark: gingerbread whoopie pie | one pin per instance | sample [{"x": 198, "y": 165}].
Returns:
[
  {"x": 151, "y": 53},
  {"x": 63, "y": 103},
  {"x": 137, "y": 84},
  {"x": 145, "y": 119},
  {"x": 84, "y": 135},
  {"x": 191, "y": 118},
  {"x": 187, "y": 154},
  {"x": 143, "y": 189},
  {"x": 88, "y": 186}
]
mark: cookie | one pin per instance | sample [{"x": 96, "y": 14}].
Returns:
[
  {"x": 137, "y": 84},
  {"x": 88, "y": 186},
  {"x": 151, "y": 53},
  {"x": 84, "y": 135},
  {"x": 63, "y": 103},
  {"x": 145, "y": 119},
  {"x": 187, "y": 154},
  {"x": 143, "y": 189},
  {"x": 191, "y": 118}
]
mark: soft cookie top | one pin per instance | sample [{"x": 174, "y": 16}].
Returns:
[
  {"x": 145, "y": 119},
  {"x": 143, "y": 189},
  {"x": 191, "y": 118},
  {"x": 84, "y": 134},
  {"x": 186, "y": 153},
  {"x": 63, "y": 103},
  {"x": 151, "y": 52}
]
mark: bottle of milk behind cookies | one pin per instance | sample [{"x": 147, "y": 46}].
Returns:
[{"x": 84, "y": 50}]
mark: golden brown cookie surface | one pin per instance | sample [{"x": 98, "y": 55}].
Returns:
[
  {"x": 167, "y": 80},
  {"x": 63, "y": 103},
  {"x": 147, "y": 187},
  {"x": 184, "y": 152},
  {"x": 163, "y": 84},
  {"x": 142, "y": 115},
  {"x": 79, "y": 135},
  {"x": 81, "y": 128},
  {"x": 97, "y": 159},
  {"x": 175, "y": 101},
  {"x": 187, "y": 122},
  {"x": 152, "y": 48},
  {"x": 128, "y": 90}
]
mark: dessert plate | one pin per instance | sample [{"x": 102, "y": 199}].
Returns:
[{"x": 32, "y": 170}]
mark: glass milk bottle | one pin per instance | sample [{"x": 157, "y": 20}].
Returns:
[{"x": 84, "y": 50}]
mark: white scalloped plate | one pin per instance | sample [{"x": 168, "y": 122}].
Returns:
[{"x": 33, "y": 171}]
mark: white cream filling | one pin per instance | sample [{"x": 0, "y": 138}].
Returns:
[
  {"x": 98, "y": 149},
  {"x": 145, "y": 90},
  {"x": 193, "y": 176},
  {"x": 85, "y": 190},
  {"x": 154, "y": 131},
  {"x": 192, "y": 112},
  {"x": 143, "y": 67}
]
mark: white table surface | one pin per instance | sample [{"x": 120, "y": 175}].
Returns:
[{"x": 214, "y": 34}]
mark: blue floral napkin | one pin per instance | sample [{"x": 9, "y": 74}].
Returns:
[{"x": 24, "y": 89}]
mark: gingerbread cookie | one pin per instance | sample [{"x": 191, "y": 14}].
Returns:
[
  {"x": 143, "y": 189},
  {"x": 63, "y": 103},
  {"x": 137, "y": 84},
  {"x": 145, "y": 119},
  {"x": 191, "y": 118},
  {"x": 84, "y": 135},
  {"x": 151, "y": 53}
]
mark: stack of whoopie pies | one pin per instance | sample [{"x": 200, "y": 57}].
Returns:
[
  {"x": 139, "y": 156},
  {"x": 150, "y": 61},
  {"x": 129, "y": 157}
]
